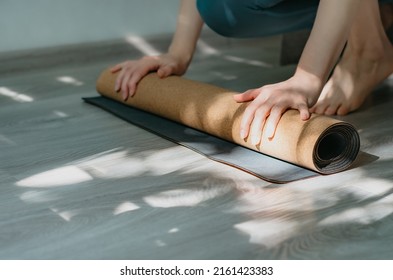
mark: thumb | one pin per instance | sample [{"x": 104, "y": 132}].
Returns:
[
  {"x": 164, "y": 71},
  {"x": 304, "y": 112},
  {"x": 245, "y": 96},
  {"x": 116, "y": 68}
]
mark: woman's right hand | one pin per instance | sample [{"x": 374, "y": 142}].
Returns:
[{"x": 132, "y": 71}]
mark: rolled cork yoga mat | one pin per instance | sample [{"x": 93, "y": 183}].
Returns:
[{"x": 322, "y": 144}]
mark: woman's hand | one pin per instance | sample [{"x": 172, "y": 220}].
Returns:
[
  {"x": 132, "y": 71},
  {"x": 174, "y": 62},
  {"x": 268, "y": 103}
]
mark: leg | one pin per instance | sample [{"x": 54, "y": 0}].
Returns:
[
  {"x": 366, "y": 62},
  {"x": 257, "y": 18}
]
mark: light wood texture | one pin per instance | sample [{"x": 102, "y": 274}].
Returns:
[{"x": 78, "y": 183}]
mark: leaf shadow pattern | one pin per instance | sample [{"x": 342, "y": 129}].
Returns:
[
  {"x": 310, "y": 221},
  {"x": 172, "y": 214}
]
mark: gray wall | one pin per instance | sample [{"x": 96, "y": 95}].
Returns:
[{"x": 26, "y": 24}]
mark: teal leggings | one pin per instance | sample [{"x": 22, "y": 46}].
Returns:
[{"x": 258, "y": 18}]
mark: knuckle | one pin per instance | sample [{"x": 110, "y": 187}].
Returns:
[
  {"x": 246, "y": 120},
  {"x": 260, "y": 112},
  {"x": 264, "y": 88},
  {"x": 126, "y": 69},
  {"x": 137, "y": 75},
  {"x": 277, "y": 111},
  {"x": 250, "y": 110},
  {"x": 126, "y": 64},
  {"x": 280, "y": 106}
]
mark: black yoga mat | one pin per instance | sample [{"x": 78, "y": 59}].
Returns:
[{"x": 255, "y": 163}]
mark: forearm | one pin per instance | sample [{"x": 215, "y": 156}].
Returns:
[
  {"x": 188, "y": 28},
  {"x": 327, "y": 39}
]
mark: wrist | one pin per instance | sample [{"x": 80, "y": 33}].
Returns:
[
  {"x": 181, "y": 55},
  {"x": 309, "y": 83},
  {"x": 309, "y": 80}
]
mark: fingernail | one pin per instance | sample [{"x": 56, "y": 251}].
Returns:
[
  {"x": 254, "y": 140},
  {"x": 270, "y": 134}
]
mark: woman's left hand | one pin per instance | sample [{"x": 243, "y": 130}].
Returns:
[{"x": 268, "y": 103}]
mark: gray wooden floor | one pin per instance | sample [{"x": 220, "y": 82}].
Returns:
[{"x": 78, "y": 183}]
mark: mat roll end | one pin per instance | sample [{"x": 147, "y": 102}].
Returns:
[{"x": 336, "y": 148}]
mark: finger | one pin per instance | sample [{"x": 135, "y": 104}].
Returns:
[
  {"x": 116, "y": 68},
  {"x": 320, "y": 108},
  {"x": 247, "y": 118},
  {"x": 331, "y": 109},
  {"x": 249, "y": 95},
  {"x": 119, "y": 81},
  {"x": 124, "y": 84},
  {"x": 135, "y": 79},
  {"x": 258, "y": 124},
  {"x": 132, "y": 83},
  {"x": 342, "y": 110},
  {"x": 137, "y": 74},
  {"x": 304, "y": 112},
  {"x": 165, "y": 71},
  {"x": 272, "y": 121}
]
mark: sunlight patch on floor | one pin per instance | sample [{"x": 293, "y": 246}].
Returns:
[
  {"x": 142, "y": 45},
  {"x": 276, "y": 215},
  {"x": 223, "y": 76},
  {"x": 65, "y": 215},
  {"x": 154, "y": 160},
  {"x": 66, "y": 175},
  {"x": 113, "y": 164},
  {"x": 19, "y": 97},
  {"x": 185, "y": 197},
  {"x": 124, "y": 207},
  {"x": 375, "y": 203},
  {"x": 252, "y": 62},
  {"x": 69, "y": 80},
  {"x": 38, "y": 196},
  {"x": 60, "y": 114},
  {"x": 206, "y": 49},
  {"x": 268, "y": 232},
  {"x": 173, "y": 230}
]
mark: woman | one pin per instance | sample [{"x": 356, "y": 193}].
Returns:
[{"x": 366, "y": 61}]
